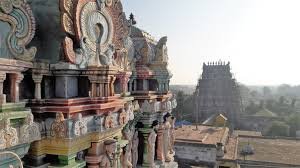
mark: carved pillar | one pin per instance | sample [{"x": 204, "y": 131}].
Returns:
[
  {"x": 14, "y": 90},
  {"x": 2, "y": 96},
  {"x": 93, "y": 80},
  {"x": 134, "y": 85},
  {"x": 145, "y": 85},
  {"x": 130, "y": 85},
  {"x": 112, "y": 88},
  {"x": 146, "y": 132},
  {"x": 37, "y": 91}
]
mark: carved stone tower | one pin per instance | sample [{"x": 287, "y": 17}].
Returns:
[{"x": 217, "y": 93}]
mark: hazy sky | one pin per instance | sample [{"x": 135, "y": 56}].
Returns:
[{"x": 261, "y": 38}]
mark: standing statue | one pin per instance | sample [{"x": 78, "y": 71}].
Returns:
[
  {"x": 134, "y": 151},
  {"x": 151, "y": 144},
  {"x": 108, "y": 158},
  {"x": 58, "y": 127},
  {"x": 127, "y": 155},
  {"x": 172, "y": 135},
  {"x": 126, "y": 159},
  {"x": 167, "y": 137},
  {"x": 30, "y": 130}
]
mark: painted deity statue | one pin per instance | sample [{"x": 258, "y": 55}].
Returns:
[
  {"x": 108, "y": 158},
  {"x": 30, "y": 130},
  {"x": 123, "y": 117},
  {"x": 127, "y": 156},
  {"x": 58, "y": 127},
  {"x": 8, "y": 136},
  {"x": 80, "y": 126},
  {"x": 172, "y": 135},
  {"x": 151, "y": 144},
  {"x": 167, "y": 137},
  {"x": 134, "y": 150},
  {"x": 126, "y": 159}
]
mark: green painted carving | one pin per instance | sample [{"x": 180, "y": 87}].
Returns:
[{"x": 18, "y": 15}]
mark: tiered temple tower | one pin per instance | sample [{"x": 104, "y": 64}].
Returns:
[
  {"x": 217, "y": 92},
  {"x": 95, "y": 86}
]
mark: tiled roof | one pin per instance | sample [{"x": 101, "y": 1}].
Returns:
[
  {"x": 231, "y": 149},
  {"x": 202, "y": 135},
  {"x": 281, "y": 151}
]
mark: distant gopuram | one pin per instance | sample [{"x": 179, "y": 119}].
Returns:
[{"x": 217, "y": 93}]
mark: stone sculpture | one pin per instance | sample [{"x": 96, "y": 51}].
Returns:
[
  {"x": 126, "y": 160},
  {"x": 129, "y": 110},
  {"x": 161, "y": 54},
  {"x": 151, "y": 144},
  {"x": 167, "y": 137},
  {"x": 21, "y": 27},
  {"x": 8, "y": 136},
  {"x": 108, "y": 158},
  {"x": 30, "y": 131},
  {"x": 134, "y": 150},
  {"x": 123, "y": 117},
  {"x": 58, "y": 127},
  {"x": 172, "y": 135},
  {"x": 109, "y": 122},
  {"x": 80, "y": 126}
]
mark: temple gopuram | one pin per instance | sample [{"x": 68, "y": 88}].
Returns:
[
  {"x": 82, "y": 86},
  {"x": 217, "y": 92}
]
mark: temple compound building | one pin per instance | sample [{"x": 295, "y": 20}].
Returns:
[
  {"x": 217, "y": 93},
  {"x": 82, "y": 86},
  {"x": 214, "y": 147}
]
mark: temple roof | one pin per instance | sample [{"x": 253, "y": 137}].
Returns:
[
  {"x": 202, "y": 135},
  {"x": 281, "y": 151}
]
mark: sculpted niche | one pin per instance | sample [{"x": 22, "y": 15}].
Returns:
[
  {"x": 92, "y": 30},
  {"x": 17, "y": 27},
  {"x": 30, "y": 131}
]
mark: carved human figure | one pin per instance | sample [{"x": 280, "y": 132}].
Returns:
[
  {"x": 127, "y": 155},
  {"x": 109, "y": 121},
  {"x": 30, "y": 130},
  {"x": 134, "y": 150},
  {"x": 172, "y": 135},
  {"x": 10, "y": 135},
  {"x": 123, "y": 117},
  {"x": 108, "y": 158},
  {"x": 151, "y": 144},
  {"x": 126, "y": 159},
  {"x": 58, "y": 127},
  {"x": 167, "y": 127},
  {"x": 80, "y": 126},
  {"x": 108, "y": 58},
  {"x": 129, "y": 109}
]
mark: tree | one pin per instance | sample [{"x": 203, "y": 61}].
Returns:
[
  {"x": 267, "y": 92},
  {"x": 278, "y": 129},
  {"x": 294, "y": 122},
  {"x": 180, "y": 105}
]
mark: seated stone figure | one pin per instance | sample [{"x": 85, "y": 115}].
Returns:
[
  {"x": 8, "y": 136},
  {"x": 108, "y": 57},
  {"x": 58, "y": 127},
  {"x": 108, "y": 158},
  {"x": 30, "y": 130},
  {"x": 80, "y": 126}
]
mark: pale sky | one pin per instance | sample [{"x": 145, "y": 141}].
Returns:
[{"x": 261, "y": 38}]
